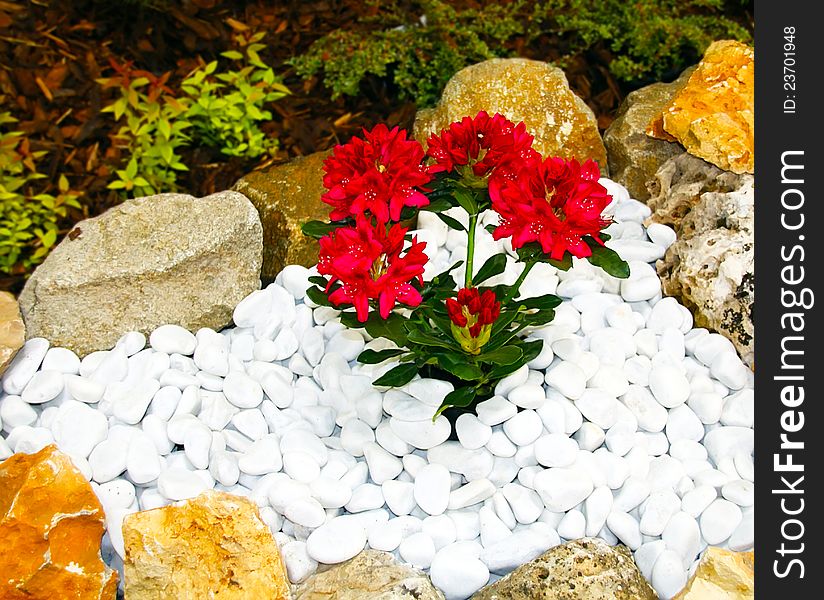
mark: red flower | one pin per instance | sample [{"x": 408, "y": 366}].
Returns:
[
  {"x": 367, "y": 262},
  {"x": 483, "y": 144},
  {"x": 472, "y": 316},
  {"x": 555, "y": 203},
  {"x": 379, "y": 174}
]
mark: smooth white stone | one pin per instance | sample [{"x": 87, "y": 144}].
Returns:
[
  {"x": 556, "y": 450},
  {"x": 366, "y": 496},
  {"x": 242, "y": 391},
  {"x": 16, "y": 413},
  {"x": 710, "y": 346},
  {"x": 250, "y": 423},
  {"x": 302, "y": 440},
  {"x": 173, "y": 339},
  {"x": 131, "y": 407},
  {"x": 337, "y": 540},
  {"x": 77, "y": 428},
  {"x": 24, "y": 365},
  {"x": 388, "y": 439},
  {"x": 354, "y": 435},
  {"x": 707, "y": 406},
  {"x": 383, "y": 466},
  {"x": 728, "y": 441},
  {"x": 496, "y": 410},
  {"x": 658, "y": 510},
  {"x": 83, "y": 389},
  {"x": 719, "y": 520},
  {"x": 263, "y": 456},
  {"x": 197, "y": 442},
  {"x": 650, "y": 414},
  {"x": 744, "y": 466},
  {"x": 524, "y": 428},
  {"x": 388, "y": 538},
  {"x": 744, "y": 535},
  {"x": 472, "y": 464},
  {"x": 500, "y": 445},
  {"x": 668, "y": 575},
  {"x": 422, "y": 434},
  {"x": 739, "y": 409},
  {"x": 596, "y": 509},
  {"x": 527, "y": 396},
  {"x": 306, "y": 512},
  {"x": 729, "y": 370},
  {"x": 610, "y": 379},
  {"x": 42, "y": 387},
  {"x": 589, "y": 436},
  {"x": 180, "y": 484},
  {"x": 253, "y": 309},
  {"x": 116, "y": 494},
  {"x": 405, "y": 407},
  {"x": 573, "y": 525},
  {"x": 598, "y": 407},
  {"x": 553, "y": 415},
  {"x": 625, "y": 529},
  {"x": 640, "y": 289},
  {"x": 562, "y": 488},
  {"x": 665, "y": 313},
  {"x": 417, "y": 550},
  {"x": 29, "y": 440},
  {"x": 472, "y": 432},
  {"x": 108, "y": 459},
  {"x": 62, "y": 360},
  {"x": 525, "y": 503},
  {"x": 399, "y": 496},
  {"x": 518, "y": 548},
  {"x": 669, "y": 386},
  {"x": 299, "y": 565},
  {"x": 457, "y": 574},
  {"x": 432, "y": 489},
  {"x": 471, "y": 493},
  {"x": 647, "y": 554},
  {"x": 661, "y": 234},
  {"x": 223, "y": 466},
  {"x": 620, "y": 438},
  {"x": 684, "y": 424},
  {"x": 567, "y": 378},
  {"x": 157, "y": 430},
  {"x": 215, "y": 410},
  {"x": 683, "y": 535}
]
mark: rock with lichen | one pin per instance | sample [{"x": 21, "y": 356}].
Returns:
[{"x": 525, "y": 90}]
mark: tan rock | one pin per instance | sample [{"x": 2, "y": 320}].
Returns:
[
  {"x": 585, "y": 569},
  {"x": 371, "y": 574},
  {"x": 712, "y": 116},
  {"x": 721, "y": 575},
  {"x": 162, "y": 259},
  {"x": 12, "y": 329},
  {"x": 286, "y": 196},
  {"x": 710, "y": 267},
  {"x": 51, "y": 524},
  {"x": 213, "y": 546},
  {"x": 634, "y": 156},
  {"x": 522, "y": 90}
]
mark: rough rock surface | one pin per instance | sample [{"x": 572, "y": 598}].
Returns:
[
  {"x": 634, "y": 156},
  {"x": 371, "y": 574},
  {"x": 585, "y": 569},
  {"x": 721, "y": 575},
  {"x": 161, "y": 259},
  {"x": 711, "y": 265},
  {"x": 51, "y": 524},
  {"x": 712, "y": 116},
  {"x": 12, "y": 329},
  {"x": 522, "y": 90},
  {"x": 213, "y": 546},
  {"x": 286, "y": 196}
]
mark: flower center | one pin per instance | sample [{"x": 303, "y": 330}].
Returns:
[
  {"x": 380, "y": 167},
  {"x": 379, "y": 267}
]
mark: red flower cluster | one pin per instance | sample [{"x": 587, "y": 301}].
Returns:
[
  {"x": 366, "y": 260},
  {"x": 379, "y": 174},
  {"x": 554, "y": 202},
  {"x": 484, "y": 144},
  {"x": 472, "y": 316}
]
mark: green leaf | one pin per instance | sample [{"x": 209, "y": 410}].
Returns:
[
  {"x": 318, "y": 229},
  {"x": 391, "y": 328},
  {"x": 607, "y": 259},
  {"x": 319, "y": 281},
  {"x": 400, "y": 375},
  {"x": 565, "y": 264},
  {"x": 540, "y": 302},
  {"x": 491, "y": 228},
  {"x": 541, "y": 317},
  {"x": 416, "y": 336},
  {"x": 350, "y": 320},
  {"x": 461, "y": 397},
  {"x": 495, "y": 265},
  {"x": 438, "y": 205},
  {"x": 457, "y": 365},
  {"x": 505, "y": 355},
  {"x": 466, "y": 201},
  {"x": 232, "y": 55},
  {"x": 451, "y": 221},
  {"x": 372, "y": 357},
  {"x": 318, "y": 296}
]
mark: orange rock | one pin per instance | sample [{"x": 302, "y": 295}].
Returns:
[
  {"x": 721, "y": 575},
  {"x": 213, "y": 546},
  {"x": 12, "y": 329},
  {"x": 51, "y": 523},
  {"x": 712, "y": 115}
]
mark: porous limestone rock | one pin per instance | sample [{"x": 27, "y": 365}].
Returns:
[
  {"x": 712, "y": 116},
  {"x": 711, "y": 265},
  {"x": 286, "y": 196},
  {"x": 721, "y": 575},
  {"x": 151, "y": 261},
  {"x": 525, "y": 90},
  {"x": 12, "y": 329},
  {"x": 51, "y": 524},
  {"x": 213, "y": 546},
  {"x": 634, "y": 156},
  {"x": 371, "y": 574},
  {"x": 584, "y": 569}
]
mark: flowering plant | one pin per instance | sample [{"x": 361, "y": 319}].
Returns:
[{"x": 550, "y": 209}]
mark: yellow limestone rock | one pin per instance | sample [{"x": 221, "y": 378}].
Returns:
[
  {"x": 712, "y": 115},
  {"x": 721, "y": 575},
  {"x": 213, "y": 546},
  {"x": 12, "y": 329},
  {"x": 51, "y": 524},
  {"x": 525, "y": 90}
]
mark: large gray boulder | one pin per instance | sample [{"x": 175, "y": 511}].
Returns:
[{"x": 169, "y": 258}]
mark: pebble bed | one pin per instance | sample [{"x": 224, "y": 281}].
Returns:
[{"x": 631, "y": 425}]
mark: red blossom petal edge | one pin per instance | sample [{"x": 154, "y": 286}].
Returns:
[
  {"x": 554, "y": 202},
  {"x": 366, "y": 260},
  {"x": 379, "y": 174}
]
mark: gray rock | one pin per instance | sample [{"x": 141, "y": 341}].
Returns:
[
  {"x": 585, "y": 569},
  {"x": 371, "y": 574},
  {"x": 711, "y": 265},
  {"x": 634, "y": 156},
  {"x": 169, "y": 258}
]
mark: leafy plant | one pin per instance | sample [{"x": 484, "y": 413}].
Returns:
[
  {"x": 473, "y": 336},
  {"x": 29, "y": 219}
]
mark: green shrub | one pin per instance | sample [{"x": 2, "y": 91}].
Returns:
[
  {"x": 419, "y": 45},
  {"x": 29, "y": 219}
]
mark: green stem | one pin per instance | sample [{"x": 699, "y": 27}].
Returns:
[
  {"x": 470, "y": 250},
  {"x": 513, "y": 291}
]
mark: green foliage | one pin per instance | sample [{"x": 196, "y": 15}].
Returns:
[
  {"x": 419, "y": 45},
  {"x": 219, "y": 109},
  {"x": 649, "y": 38},
  {"x": 418, "y": 55},
  {"x": 29, "y": 219}
]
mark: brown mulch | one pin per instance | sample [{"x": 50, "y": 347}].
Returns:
[{"x": 51, "y": 52}]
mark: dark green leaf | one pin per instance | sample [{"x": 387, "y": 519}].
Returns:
[
  {"x": 607, "y": 259},
  {"x": 457, "y": 365},
  {"x": 417, "y": 336},
  {"x": 531, "y": 349},
  {"x": 451, "y": 222},
  {"x": 350, "y": 320},
  {"x": 541, "y": 302},
  {"x": 466, "y": 201},
  {"x": 506, "y": 355},
  {"x": 318, "y": 296},
  {"x": 318, "y": 229},
  {"x": 491, "y": 228},
  {"x": 319, "y": 281},
  {"x": 400, "y": 375},
  {"x": 372, "y": 357},
  {"x": 495, "y": 265},
  {"x": 438, "y": 205},
  {"x": 461, "y": 397},
  {"x": 541, "y": 317},
  {"x": 565, "y": 264},
  {"x": 390, "y": 328}
]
